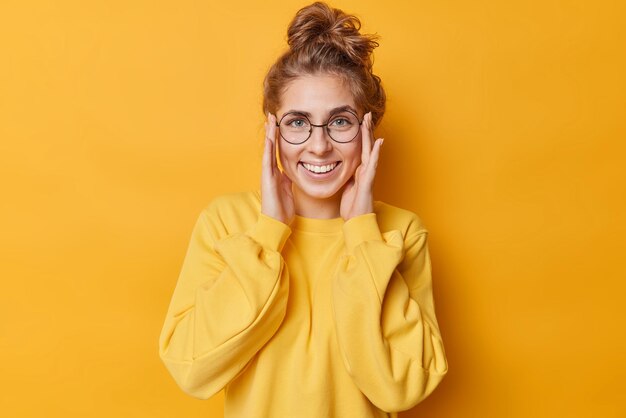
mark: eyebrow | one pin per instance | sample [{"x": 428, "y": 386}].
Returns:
[{"x": 332, "y": 111}]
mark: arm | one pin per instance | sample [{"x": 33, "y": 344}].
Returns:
[
  {"x": 385, "y": 318},
  {"x": 230, "y": 298}
]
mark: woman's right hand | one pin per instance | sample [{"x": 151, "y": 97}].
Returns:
[{"x": 276, "y": 194}]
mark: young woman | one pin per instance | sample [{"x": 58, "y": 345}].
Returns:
[{"x": 310, "y": 299}]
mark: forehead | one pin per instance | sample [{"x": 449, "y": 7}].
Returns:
[{"x": 316, "y": 94}]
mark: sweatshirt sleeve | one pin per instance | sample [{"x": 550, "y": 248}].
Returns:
[
  {"x": 230, "y": 298},
  {"x": 385, "y": 318}
]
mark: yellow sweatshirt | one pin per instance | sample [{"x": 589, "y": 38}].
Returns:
[{"x": 322, "y": 318}]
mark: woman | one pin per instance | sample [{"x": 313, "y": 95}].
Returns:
[{"x": 310, "y": 299}]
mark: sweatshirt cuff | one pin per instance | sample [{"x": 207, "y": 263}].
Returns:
[
  {"x": 360, "y": 229},
  {"x": 270, "y": 233}
]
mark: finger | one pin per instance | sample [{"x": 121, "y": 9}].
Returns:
[
  {"x": 373, "y": 162},
  {"x": 371, "y": 128},
  {"x": 366, "y": 135},
  {"x": 349, "y": 186},
  {"x": 267, "y": 155},
  {"x": 272, "y": 136},
  {"x": 267, "y": 152},
  {"x": 286, "y": 183},
  {"x": 286, "y": 179},
  {"x": 271, "y": 127}
]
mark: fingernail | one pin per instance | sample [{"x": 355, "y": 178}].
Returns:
[{"x": 381, "y": 141}]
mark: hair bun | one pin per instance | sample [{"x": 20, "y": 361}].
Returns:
[{"x": 319, "y": 26}]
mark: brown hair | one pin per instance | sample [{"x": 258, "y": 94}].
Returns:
[{"x": 324, "y": 40}]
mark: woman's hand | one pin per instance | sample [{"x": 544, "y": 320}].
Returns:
[
  {"x": 357, "y": 198},
  {"x": 276, "y": 194}
]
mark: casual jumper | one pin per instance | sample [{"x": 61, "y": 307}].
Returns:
[{"x": 321, "y": 318}]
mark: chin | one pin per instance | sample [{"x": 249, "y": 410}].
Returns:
[
  {"x": 320, "y": 194},
  {"x": 321, "y": 191}
]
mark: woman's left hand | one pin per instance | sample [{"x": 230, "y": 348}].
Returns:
[{"x": 357, "y": 198}]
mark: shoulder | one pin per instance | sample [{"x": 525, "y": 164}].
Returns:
[
  {"x": 391, "y": 217},
  {"x": 232, "y": 212}
]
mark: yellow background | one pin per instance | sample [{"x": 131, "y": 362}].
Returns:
[{"x": 505, "y": 132}]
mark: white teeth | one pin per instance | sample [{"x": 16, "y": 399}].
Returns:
[{"x": 319, "y": 168}]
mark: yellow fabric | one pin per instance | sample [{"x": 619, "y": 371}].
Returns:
[{"x": 323, "y": 318}]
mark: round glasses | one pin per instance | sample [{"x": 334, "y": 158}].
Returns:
[{"x": 296, "y": 128}]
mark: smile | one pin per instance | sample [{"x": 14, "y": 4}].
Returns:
[{"x": 320, "y": 169}]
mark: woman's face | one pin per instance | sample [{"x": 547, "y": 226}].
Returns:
[{"x": 318, "y": 97}]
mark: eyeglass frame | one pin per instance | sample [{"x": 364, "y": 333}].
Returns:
[{"x": 312, "y": 125}]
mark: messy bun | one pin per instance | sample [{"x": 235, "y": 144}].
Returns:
[
  {"x": 326, "y": 40},
  {"x": 319, "y": 29}
]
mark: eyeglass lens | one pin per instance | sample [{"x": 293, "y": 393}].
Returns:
[{"x": 296, "y": 128}]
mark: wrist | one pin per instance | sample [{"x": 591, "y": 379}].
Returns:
[
  {"x": 275, "y": 216},
  {"x": 360, "y": 229},
  {"x": 359, "y": 212},
  {"x": 270, "y": 232}
]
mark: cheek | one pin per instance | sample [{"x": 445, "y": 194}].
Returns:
[{"x": 354, "y": 156}]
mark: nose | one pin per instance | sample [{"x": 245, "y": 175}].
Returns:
[{"x": 319, "y": 143}]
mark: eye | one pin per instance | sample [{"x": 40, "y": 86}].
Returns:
[
  {"x": 296, "y": 122},
  {"x": 341, "y": 122}
]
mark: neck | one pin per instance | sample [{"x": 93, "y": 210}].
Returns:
[{"x": 311, "y": 207}]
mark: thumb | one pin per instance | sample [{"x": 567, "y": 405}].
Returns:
[{"x": 285, "y": 182}]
